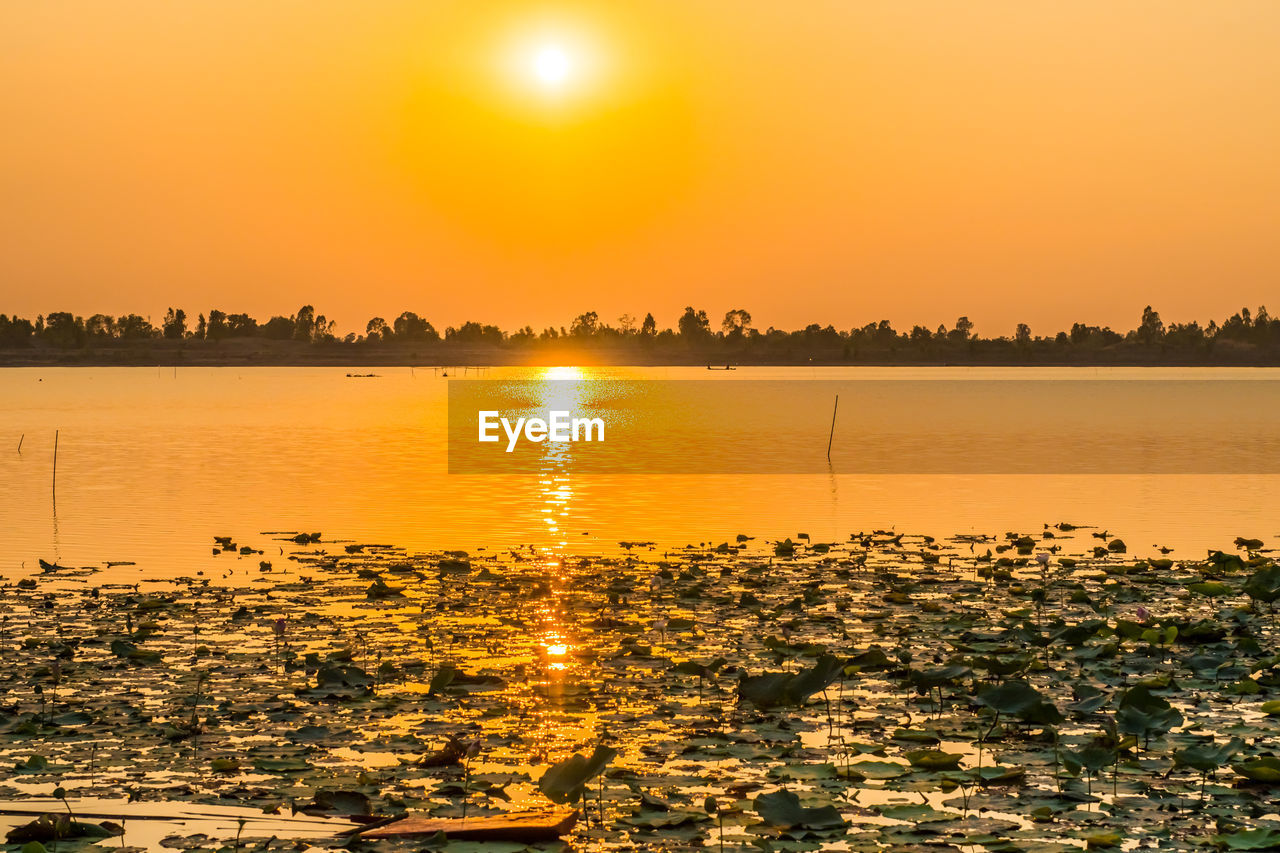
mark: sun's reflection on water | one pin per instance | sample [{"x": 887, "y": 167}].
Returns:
[
  {"x": 562, "y": 390},
  {"x": 557, "y": 720},
  {"x": 555, "y": 647}
]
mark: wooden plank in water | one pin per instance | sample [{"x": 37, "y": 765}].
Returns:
[
  {"x": 173, "y": 810},
  {"x": 536, "y": 825}
]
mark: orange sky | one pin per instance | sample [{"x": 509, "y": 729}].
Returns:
[{"x": 830, "y": 161}]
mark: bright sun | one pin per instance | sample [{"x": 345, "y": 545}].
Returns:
[{"x": 552, "y": 66}]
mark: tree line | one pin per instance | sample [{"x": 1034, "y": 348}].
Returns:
[{"x": 1245, "y": 337}]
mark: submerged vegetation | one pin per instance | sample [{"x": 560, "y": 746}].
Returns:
[
  {"x": 1245, "y": 338},
  {"x": 1038, "y": 691}
]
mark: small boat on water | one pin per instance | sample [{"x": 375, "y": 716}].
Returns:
[{"x": 726, "y": 367}]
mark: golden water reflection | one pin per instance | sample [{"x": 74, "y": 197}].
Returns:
[
  {"x": 371, "y": 463},
  {"x": 562, "y": 390}
]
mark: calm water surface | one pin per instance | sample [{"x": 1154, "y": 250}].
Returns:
[{"x": 154, "y": 463}]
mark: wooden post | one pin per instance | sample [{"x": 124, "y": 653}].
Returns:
[{"x": 831, "y": 437}]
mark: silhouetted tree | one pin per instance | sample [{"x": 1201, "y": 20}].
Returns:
[
  {"x": 1093, "y": 337},
  {"x": 736, "y": 322},
  {"x": 304, "y": 323},
  {"x": 884, "y": 335},
  {"x": 585, "y": 325},
  {"x": 218, "y": 328},
  {"x": 1262, "y": 321},
  {"x": 694, "y": 326},
  {"x": 649, "y": 327},
  {"x": 100, "y": 328},
  {"x": 411, "y": 327},
  {"x": 1023, "y": 335},
  {"x": 1238, "y": 327},
  {"x": 241, "y": 326},
  {"x": 1151, "y": 330},
  {"x": 474, "y": 333},
  {"x": 322, "y": 329},
  {"x": 131, "y": 327},
  {"x": 16, "y": 332},
  {"x": 278, "y": 328},
  {"x": 1185, "y": 336},
  {"x": 175, "y": 324},
  {"x": 64, "y": 330}
]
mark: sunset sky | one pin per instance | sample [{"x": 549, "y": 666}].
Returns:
[{"x": 829, "y": 161}]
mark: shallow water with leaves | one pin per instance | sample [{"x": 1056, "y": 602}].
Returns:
[{"x": 1035, "y": 692}]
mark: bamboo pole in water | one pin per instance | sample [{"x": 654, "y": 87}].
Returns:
[
  {"x": 24, "y": 435},
  {"x": 832, "y": 436},
  {"x": 55, "y": 463}
]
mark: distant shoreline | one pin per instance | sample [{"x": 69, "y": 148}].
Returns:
[
  {"x": 1246, "y": 339},
  {"x": 260, "y": 353}
]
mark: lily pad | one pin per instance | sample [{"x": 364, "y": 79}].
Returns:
[
  {"x": 933, "y": 759},
  {"x": 1250, "y": 839},
  {"x": 1266, "y": 769},
  {"x": 782, "y": 810},
  {"x": 565, "y": 782}
]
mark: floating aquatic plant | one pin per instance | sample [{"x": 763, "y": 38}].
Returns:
[{"x": 930, "y": 695}]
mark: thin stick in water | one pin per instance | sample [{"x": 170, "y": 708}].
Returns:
[
  {"x": 24, "y": 435},
  {"x": 55, "y": 463},
  {"x": 832, "y": 436}
]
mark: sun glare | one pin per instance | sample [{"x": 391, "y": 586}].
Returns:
[
  {"x": 552, "y": 66},
  {"x": 557, "y": 61},
  {"x": 563, "y": 373}
]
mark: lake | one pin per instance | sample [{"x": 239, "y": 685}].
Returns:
[
  {"x": 153, "y": 463},
  {"x": 910, "y": 692}
]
